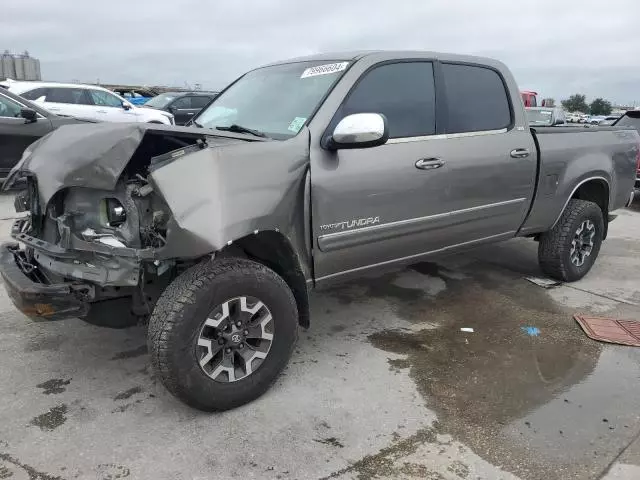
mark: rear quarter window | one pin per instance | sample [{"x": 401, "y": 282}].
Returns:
[{"x": 477, "y": 99}]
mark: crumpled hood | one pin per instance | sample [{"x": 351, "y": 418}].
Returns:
[
  {"x": 235, "y": 186},
  {"x": 95, "y": 155}
]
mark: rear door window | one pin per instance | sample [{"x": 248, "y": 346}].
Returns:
[
  {"x": 182, "y": 103},
  {"x": 476, "y": 99},
  {"x": 199, "y": 102},
  {"x": 35, "y": 94},
  {"x": 403, "y": 92},
  {"x": 74, "y": 96}
]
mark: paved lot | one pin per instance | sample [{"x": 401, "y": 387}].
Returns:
[{"x": 384, "y": 385}]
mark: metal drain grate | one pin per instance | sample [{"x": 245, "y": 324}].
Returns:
[{"x": 623, "y": 332}]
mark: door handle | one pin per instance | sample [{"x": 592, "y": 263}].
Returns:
[
  {"x": 519, "y": 153},
  {"x": 429, "y": 163},
  {"x": 190, "y": 113}
]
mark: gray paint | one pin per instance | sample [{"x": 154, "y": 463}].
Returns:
[
  {"x": 93, "y": 155},
  {"x": 219, "y": 195},
  {"x": 240, "y": 185},
  {"x": 602, "y": 153}
]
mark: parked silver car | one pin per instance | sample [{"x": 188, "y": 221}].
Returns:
[{"x": 543, "y": 116}]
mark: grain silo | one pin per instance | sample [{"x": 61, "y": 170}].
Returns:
[
  {"x": 18, "y": 64},
  {"x": 19, "y": 67},
  {"x": 31, "y": 67},
  {"x": 7, "y": 67}
]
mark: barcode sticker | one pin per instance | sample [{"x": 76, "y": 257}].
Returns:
[
  {"x": 296, "y": 124},
  {"x": 327, "y": 69}
]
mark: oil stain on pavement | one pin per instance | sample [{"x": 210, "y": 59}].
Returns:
[
  {"x": 527, "y": 404},
  {"x": 32, "y": 473},
  {"x": 53, "y": 386},
  {"x": 52, "y": 419}
]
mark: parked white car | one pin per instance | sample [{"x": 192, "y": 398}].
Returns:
[{"x": 86, "y": 101}]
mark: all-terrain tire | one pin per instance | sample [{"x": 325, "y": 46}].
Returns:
[
  {"x": 554, "y": 249},
  {"x": 181, "y": 311}
]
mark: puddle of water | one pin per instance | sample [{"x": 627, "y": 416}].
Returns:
[{"x": 484, "y": 385}]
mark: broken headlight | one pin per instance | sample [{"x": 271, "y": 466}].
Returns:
[{"x": 112, "y": 212}]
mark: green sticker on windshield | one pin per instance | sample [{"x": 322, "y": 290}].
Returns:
[{"x": 297, "y": 124}]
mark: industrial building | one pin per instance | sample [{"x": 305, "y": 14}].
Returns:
[{"x": 19, "y": 66}]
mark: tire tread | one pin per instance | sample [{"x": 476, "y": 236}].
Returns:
[
  {"x": 182, "y": 294},
  {"x": 552, "y": 250}
]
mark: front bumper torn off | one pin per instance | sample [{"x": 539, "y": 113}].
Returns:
[{"x": 38, "y": 300}]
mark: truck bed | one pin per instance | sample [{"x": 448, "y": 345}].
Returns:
[{"x": 606, "y": 154}]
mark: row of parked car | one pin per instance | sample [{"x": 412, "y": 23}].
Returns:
[
  {"x": 553, "y": 116},
  {"x": 592, "y": 119},
  {"x": 30, "y": 110},
  {"x": 100, "y": 104}
]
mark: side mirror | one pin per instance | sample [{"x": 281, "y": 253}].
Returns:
[
  {"x": 29, "y": 115},
  {"x": 360, "y": 130},
  {"x": 126, "y": 105}
]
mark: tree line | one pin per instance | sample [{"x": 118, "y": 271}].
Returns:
[{"x": 578, "y": 103}]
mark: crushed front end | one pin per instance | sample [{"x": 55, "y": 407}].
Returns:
[
  {"x": 92, "y": 241},
  {"x": 87, "y": 247},
  {"x": 114, "y": 212}
]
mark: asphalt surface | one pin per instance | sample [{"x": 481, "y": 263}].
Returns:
[{"x": 383, "y": 385}]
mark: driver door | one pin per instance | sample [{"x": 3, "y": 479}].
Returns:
[
  {"x": 108, "y": 107},
  {"x": 16, "y": 134},
  {"x": 367, "y": 203}
]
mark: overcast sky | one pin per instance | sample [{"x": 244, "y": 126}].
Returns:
[{"x": 556, "y": 47}]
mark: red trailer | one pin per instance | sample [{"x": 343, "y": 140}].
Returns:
[{"x": 529, "y": 98}]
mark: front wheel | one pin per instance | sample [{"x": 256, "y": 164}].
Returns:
[
  {"x": 222, "y": 332},
  {"x": 568, "y": 251}
]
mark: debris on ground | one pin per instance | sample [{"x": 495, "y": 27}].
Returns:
[
  {"x": 466, "y": 329},
  {"x": 610, "y": 330},
  {"x": 531, "y": 331},
  {"x": 544, "y": 282}
]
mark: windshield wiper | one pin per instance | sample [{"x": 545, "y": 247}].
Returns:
[
  {"x": 197, "y": 124},
  {"x": 235, "y": 128}
]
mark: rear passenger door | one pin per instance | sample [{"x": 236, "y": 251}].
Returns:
[
  {"x": 69, "y": 101},
  {"x": 198, "y": 102},
  {"x": 181, "y": 110},
  {"x": 488, "y": 178}
]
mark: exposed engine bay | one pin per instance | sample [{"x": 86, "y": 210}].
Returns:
[
  {"x": 117, "y": 235},
  {"x": 116, "y": 211}
]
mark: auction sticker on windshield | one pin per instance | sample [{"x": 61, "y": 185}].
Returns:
[
  {"x": 296, "y": 124},
  {"x": 324, "y": 69}
]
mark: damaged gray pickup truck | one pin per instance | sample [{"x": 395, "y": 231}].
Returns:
[{"x": 299, "y": 174}]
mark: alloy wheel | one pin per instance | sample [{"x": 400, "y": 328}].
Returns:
[
  {"x": 235, "y": 339},
  {"x": 582, "y": 243}
]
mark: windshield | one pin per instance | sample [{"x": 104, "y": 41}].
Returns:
[
  {"x": 276, "y": 100},
  {"x": 162, "y": 100},
  {"x": 630, "y": 120},
  {"x": 540, "y": 117}
]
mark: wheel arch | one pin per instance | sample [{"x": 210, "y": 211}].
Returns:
[
  {"x": 274, "y": 250},
  {"x": 592, "y": 189}
]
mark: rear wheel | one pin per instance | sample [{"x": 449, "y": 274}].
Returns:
[
  {"x": 568, "y": 251},
  {"x": 222, "y": 332}
]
